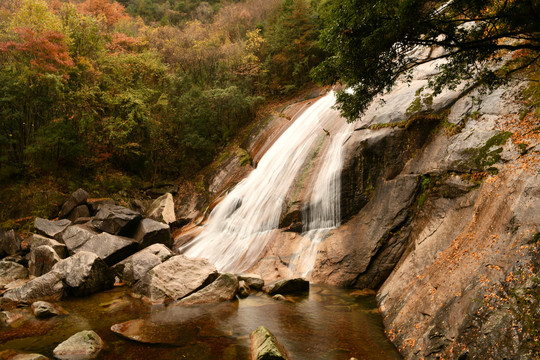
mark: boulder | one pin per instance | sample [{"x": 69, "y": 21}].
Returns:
[
  {"x": 243, "y": 289},
  {"x": 42, "y": 260},
  {"x": 97, "y": 204},
  {"x": 153, "y": 232},
  {"x": 51, "y": 229},
  {"x": 10, "y": 243},
  {"x": 16, "y": 259},
  {"x": 254, "y": 281},
  {"x": 48, "y": 287},
  {"x": 84, "y": 273},
  {"x": 83, "y": 345},
  {"x": 137, "y": 265},
  {"x": 80, "y": 211},
  {"x": 264, "y": 346},
  {"x": 29, "y": 357},
  {"x": 116, "y": 220},
  {"x": 77, "y": 235},
  {"x": 38, "y": 240},
  {"x": 176, "y": 278},
  {"x": 11, "y": 271},
  {"x": 110, "y": 248},
  {"x": 224, "y": 288},
  {"x": 162, "y": 209},
  {"x": 44, "y": 310},
  {"x": 77, "y": 198},
  {"x": 287, "y": 286}
]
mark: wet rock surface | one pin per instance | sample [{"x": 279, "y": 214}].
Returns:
[
  {"x": 44, "y": 310},
  {"x": 287, "y": 286},
  {"x": 144, "y": 331},
  {"x": 264, "y": 346}
]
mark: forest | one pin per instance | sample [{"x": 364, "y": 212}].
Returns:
[{"x": 113, "y": 95}]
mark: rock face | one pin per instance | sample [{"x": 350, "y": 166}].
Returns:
[
  {"x": 42, "y": 260},
  {"x": 11, "y": 271},
  {"x": 83, "y": 345},
  {"x": 264, "y": 346},
  {"x": 176, "y": 278},
  {"x": 224, "y": 288},
  {"x": 51, "y": 229},
  {"x": 162, "y": 209},
  {"x": 288, "y": 286},
  {"x": 153, "y": 232},
  {"x": 109, "y": 248},
  {"x": 84, "y": 273},
  {"x": 10, "y": 243},
  {"x": 116, "y": 220},
  {"x": 48, "y": 287},
  {"x": 137, "y": 265},
  {"x": 77, "y": 198}
]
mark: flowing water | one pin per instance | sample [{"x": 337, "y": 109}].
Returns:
[
  {"x": 240, "y": 226},
  {"x": 326, "y": 324}
]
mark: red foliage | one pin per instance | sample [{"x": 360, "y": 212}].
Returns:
[
  {"x": 47, "y": 52},
  {"x": 112, "y": 12},
  {"x": 122, "y": 42}
]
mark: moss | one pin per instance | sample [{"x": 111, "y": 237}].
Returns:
[
  {"x": 484, "y": 156},
  {"x": 244, "y": 157},
  {"x": 427, "y": 182},
  {"x": 523, "y": 147}
]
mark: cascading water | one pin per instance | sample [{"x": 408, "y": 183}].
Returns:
[{"x": 241, "y": 225}]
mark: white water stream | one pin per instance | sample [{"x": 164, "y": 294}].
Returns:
[{"x": 241, "y": 225}]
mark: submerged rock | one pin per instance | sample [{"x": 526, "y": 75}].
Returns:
[
  {"x": 176, "y": 278},
  {"x": 288, "y": 286},
  {"x": 144, "y": 331},
  {"x": 137, "y": 265},
  {"x": 162, "y": 209},
  {"x": 52, "y": 229},
  {"x": 49, "y": 287},
  {"x": 11, "y": 271},
  {"x": 77, "y": 198},
  {"x": 84, "y": 273},
  {"x": 116, "y": 220},
  {"x": 153, "y": 232},
  {"x": 224, "y": 288},
  {"x": 44, "y": 310},
  {"x": 15, "y": 355},
  {"x": 264, "y": 346},
  {"x": 83, "y": 345},
  {"x": 10, "y": 243}
]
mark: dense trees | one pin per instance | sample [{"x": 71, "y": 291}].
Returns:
[
  {"x": 89, "y": 85},
  {"x": 371, "y": 42}
]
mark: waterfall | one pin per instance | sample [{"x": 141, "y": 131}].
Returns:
[{"x": 241, "y": 225}]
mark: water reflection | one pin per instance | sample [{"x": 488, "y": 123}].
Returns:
[{"x": 328, "y": 323}]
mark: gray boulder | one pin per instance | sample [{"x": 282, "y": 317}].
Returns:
[
  {"x": 137, "y": 265},
  {"x": 176, "y": 278},
  {"x": 224, "y": 288},
  {"x": 10, "y": 243},
  {"x": 153, "y": 232},
  {"x": 77, "y": 235},
  {"x": 110, "y": 248},
  {"x": 77, "y": 198},
  {"x": 11, "y": 271},
  {"x": 84, "y": 273},
  {"x": 254, "y": 281},
  {"x": 287, "y": 286},
  {"x": 38, "y": 240},
  {"x": 162, "y": 209},
  {"x": 80, "y": 211},
  {"x": 116, "y": 220},
  {"x": 264, "y": 346},
  {"x": 42, "y": 260},
  {"x": 48, "y": 287},
  {"x": 83, "y": 345},
  {"x": 49, "y": 228},
  {"x": 97, "y": 204},
  {"x": 44, "y": 310}
]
